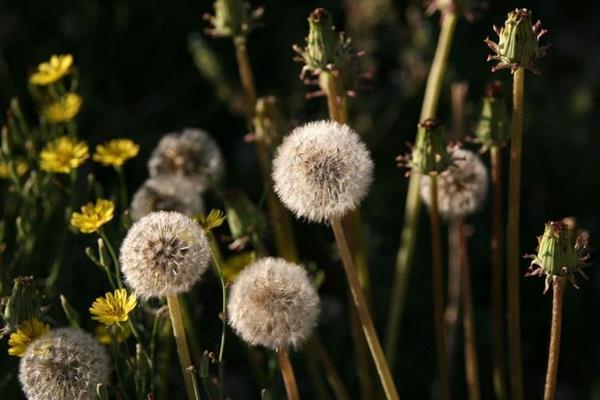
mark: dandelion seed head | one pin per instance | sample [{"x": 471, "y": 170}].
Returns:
[
  {"x": 164, "y": 253},
  {"x": 64, "y": 364},
  {"x": 322, "y": 170},
  {"x": 273, "y": 303},
  {"x": 462, "y": 187},
  {"x": 166, "y": 193},
  {"x": 192, "y": 153}
]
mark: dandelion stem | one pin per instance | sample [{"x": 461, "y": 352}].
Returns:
[
  {"x": 334, "y": 379},
  {"x": 183, "y": 350},
  {"x": 360, "y": 303},
  {"x": 404, "y": 257},
  {"x": 514, "y": 198},
  {"x": 113, "y": 256},
  {"x": 558, "y": 289},
  {"x": 287, "y": 372},
  {"x": 223, "y": 318},
  {"x": 499, "y": 378},
  {"x": 453, "y": 303},
  {"x": 246, "y": 76}
]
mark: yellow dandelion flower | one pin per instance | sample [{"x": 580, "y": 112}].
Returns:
[
  {"x": 63, "y": 154},
  {"x": 106, "y": 334},
  {"x": 62, "y": 110},
  {"x": 93, "y": 216},
  {"x": 51, "y": 71},
  {"x": 20, "y": 166},
  {"x": 116, "y": 152},
  {"x": 113, "y": 307},
  {"x": 27, "y": 333}
]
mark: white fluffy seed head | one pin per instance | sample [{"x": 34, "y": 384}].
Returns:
[
  {"x": 166, "y": 193},
  {"x": 193, "y": 154},
  {"x": 64, "y": 364},
  {"x": 322, "y": 170},
  {"x": 164, "y": 253},
  {"x": 273, "y": 303},
  {"x": 462, "y": 188}
]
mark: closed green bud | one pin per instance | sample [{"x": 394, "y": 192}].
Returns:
[
  {"x": 24, "y": 303},
  {"x": 493, "y": 128},
  {"x": 232, "y": 18},
  {"x": 269, "y": 124},
  {"x": 244, "y": 218},
  {"x": 429, "y": 154},
  {"x": 518, "y": 45}
]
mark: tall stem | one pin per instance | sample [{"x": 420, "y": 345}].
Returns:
[
  {"x": 246, "y": 76},
  {"x": 363, "y": 313},
  {"x": 555, "y": 328},
  {"x": 453, "y": 304},
  {"x": 287, "y": 372},
  {"x": 438, "y": 292},
  {"x": 334, "y": 379},
  {"x": 185, "y": 360},
  {"x": 499, "y": 378},
  {"x": 513, "y": 257},
  {"x": 471, "y": 362},
  {"x": 223, "y": 318},
  {"x": 412, "y": 208}
]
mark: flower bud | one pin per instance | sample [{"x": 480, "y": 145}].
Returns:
[
  {"x": 243, "y": 217},
  {"x": 429, "y": 154},
  {"x": 268, "y": 121},
  {"x": 493, "y": 128},
  {"x": 23, "y": 303},
  {"x": 232, "y": 18},
  {"x": 518, "y": 44}
]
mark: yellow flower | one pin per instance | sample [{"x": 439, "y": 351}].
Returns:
[
  {"x": 116, "y": 152},
  {"x": 20, "y": 166},
  {"x": 113, "y": 307},
  {"x": 63, "y": 154},
  {"x": 105, "y": 334},
  {"x": 62, "y": 110},
  {"x": 50, "y": 71},
  {"x": 93, "y": 216},
  {"x": 27, "y": 333},
  {"x": 235, "y": 264}
]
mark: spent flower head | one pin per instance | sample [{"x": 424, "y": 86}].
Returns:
[
  {"x": 518, "y": 45},
  {"x": 62, "y": 110},
  {"x": 93, "y": 216},
  {"x": 493, "y": 127},
  {"x": 63, "y": 155},
  {"x": 562, "y": 251},
  {"x": 115, "y": 152},
  {"x": 273, "y": 303},
  {"x": 23, "y": 303},
  {"x": 322, "y": 170},
  {"x": 65, "y": 363},
  {"x": 27, "y": 332},
  {"x": 232, "y": 18},
  {"x": 114, "y": 307},
  {"x": 164, "y": 253},
  {"x": 429, "y": 154},
  {"x": 52, "y": 70}
]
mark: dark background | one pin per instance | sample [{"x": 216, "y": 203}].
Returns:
[{"x": 138, "y": 80}]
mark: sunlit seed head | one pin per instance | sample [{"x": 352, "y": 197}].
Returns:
[
  {"x": 322, "y": 170},
  {"x": 64, "y": 364},
  {"x": 274, "y": 304},
  {"x": 462, "y": 187},
  {"x": 193, "y": 154},
  {"x": 167, "y": 193},
  {"x": 164, "y": 253}
]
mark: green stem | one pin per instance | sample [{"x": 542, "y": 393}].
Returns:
[
  {"x": 554, "y": 349},
  {"x": 513, "y": 257},
  {"x": 409, "y": 233},
  {"x": 287, "y": 372},
  {"x": 113, "y": 256}
]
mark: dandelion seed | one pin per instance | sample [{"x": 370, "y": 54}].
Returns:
[
  {"x": 27, "y": 332},
  {"x": 115, "y": 152},
  {"x": 322, "y": 170},
  {"x": 273, "y": 303},
  {"x": 113, "y": 308},
  {"x": 62, "y": 110},
  {"x": 65, "y": 364},
  {"x": 63, "y": 155},
  {"x": 51, "y": 71},
  {"x": 164, "y": 253},
  {"x": 93, "y": 216}
]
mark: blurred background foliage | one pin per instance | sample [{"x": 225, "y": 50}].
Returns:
[{"x": 138, "y": 80}]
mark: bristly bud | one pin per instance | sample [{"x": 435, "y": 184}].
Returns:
[
  {"x": 23, "y": 304},
  {"x": 562, "y": 251},
  {"x": 429, "y": 154},
  {"x": 493, "y": 128},
  {"x": 269, "y": 123},
  {"x": 518, "y": 45},
  {"x": 232, "y": 18}
]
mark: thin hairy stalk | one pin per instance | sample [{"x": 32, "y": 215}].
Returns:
[
  {"x": 360, "y": 303},
  {"x": 223, "y": 318},
  {"x": 287, "y": 372},
  {"x": 404, "y": 257},
  {"x": 470, "y": 346},
  {"x": 334, "y": 379},
  {"x": 513, "y": 254},
  {"x": 558, "y": 289},
  {"x": 185, "y": 360},
  {"x": 499, "y": 378},
  {"x": 438, "y": 292}
]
